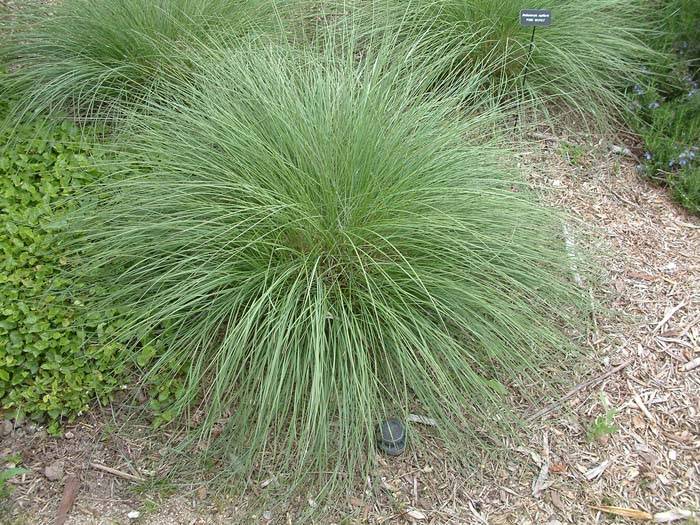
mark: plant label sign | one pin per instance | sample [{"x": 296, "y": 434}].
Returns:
[{"x": 535, "y": 17}]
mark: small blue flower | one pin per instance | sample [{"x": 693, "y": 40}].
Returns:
[
  {"x": 648, "y": 156},
  {"x": 683, "y": 163},
  {"x": 653, "y": 105},
  {"x": 671, "y": 163},
  {"x": 638, "y": 90}
]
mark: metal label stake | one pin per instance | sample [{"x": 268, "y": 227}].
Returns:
[{"x": 533, "y": 18}]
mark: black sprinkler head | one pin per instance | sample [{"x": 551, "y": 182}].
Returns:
[{"x": 392, "y": 437}]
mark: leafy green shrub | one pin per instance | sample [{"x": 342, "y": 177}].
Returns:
[
  {"x": 582, "y": 62},
  {"x": 320, "y": 250},
  {"x": 670, "y": 132},
  {"x": 82, "y": 56},
  {"x": 686, "y": 188},
  {"x": 681, "y": 29},
  {"x": 667, "y": 108},
  {"x": 46, "y": 367}
]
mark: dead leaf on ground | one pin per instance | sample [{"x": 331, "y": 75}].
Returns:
[
  {"x": 637, "y": 421},
  {"x": 557, "y": 502},
  {"x": 415, "y": 515},
  {"x": 557, "y": 468},
  {"x": 596, "y": 472},
  {"x": 356, "y": 502},
  {"x": 674, "y": 515},
  {"x": 627, "y": 513}
]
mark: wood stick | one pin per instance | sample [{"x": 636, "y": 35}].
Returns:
[
  {"x": 642, "y": 406},
  {"x": 571, "y": 393},
  {"x": 117, "y": 473},
  {"x": 70, "y": 491},
  {"x": 668, "y": 316},
  {"x": 691, "y": 365}
]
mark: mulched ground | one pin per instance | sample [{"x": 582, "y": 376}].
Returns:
[{"x": 643, "y": 373}]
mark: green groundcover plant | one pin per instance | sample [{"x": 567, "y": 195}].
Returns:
[
  {"x": 666, "y": 108},
  {"x": 82, "y": 56},
  {"x": 581, "y": 63},
  {"x": 681, "y": 28},
  {"x": 670, "y": 131},
  {"x": 47, "y": 368},
  {"x": 318, "y": 251}
]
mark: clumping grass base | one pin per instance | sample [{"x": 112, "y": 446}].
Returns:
[
  {"x": 319, "y": 250},
  {"x": 580, "y": 64},
  {"x": 84, "y": 57}
]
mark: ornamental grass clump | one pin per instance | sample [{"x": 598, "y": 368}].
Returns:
[
  {"x": 321, "y": 250},
  {"x": 82, "y": 56},
  {"x": 580, "y": 64}
]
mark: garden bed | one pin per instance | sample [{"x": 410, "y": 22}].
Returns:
[
  {"x": 188, "y": 264},
  {"x": 643, "y": 456}
]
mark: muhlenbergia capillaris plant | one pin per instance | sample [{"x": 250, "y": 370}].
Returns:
[
  {"x": 581, "y": 64},
  {"x": 83, "y": 56},
  {"x": 312, "y": 246}
]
